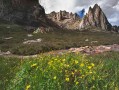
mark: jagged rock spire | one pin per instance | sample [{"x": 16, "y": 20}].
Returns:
[{"x": 95, "y": 18}]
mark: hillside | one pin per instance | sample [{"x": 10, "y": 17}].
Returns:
[
  {"x": 24, "y": 12},
  {"x": 21, "y": 11}
]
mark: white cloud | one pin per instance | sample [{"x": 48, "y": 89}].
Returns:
[
  {"x": 57, "y": 5},
  {"x": 110, "y": 7}
]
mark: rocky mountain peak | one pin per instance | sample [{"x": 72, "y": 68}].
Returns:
[
  {"x": 96, "y": 6},
  {"x": 95, "y": 18},
  {"x": 64, "y": 19},
  {"x": 62, "y": 15}
]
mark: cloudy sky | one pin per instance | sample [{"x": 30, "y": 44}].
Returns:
[{"x": 110, "y": 7}]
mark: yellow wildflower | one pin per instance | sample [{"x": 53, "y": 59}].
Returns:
[
  {"x": 75, "y": 70},
  {"x": 34, "y": 65},
  {"x": 63, "y": 60},
  {"x": 92, "y": 64},
  {"x": 66, "y": 65},
  {"x": 50, "y": 62},
  {"x": 82, "y": 76},
  {"x": 67, "y": 79},
  {"x": 90, "y": 72},
  {"x": 89, "y": 67},
  {"x": 93, "y": 78},
  {"x": 54, "y": 77},
  {"x": 81, "y": 65},
  {"x": 77, "y": 83},
  {"x": 72, "y": 74},
  {"x": 27, "y": 87},
  {"x": 76, "y": 62},
  {"x": 55, "y": 59}
]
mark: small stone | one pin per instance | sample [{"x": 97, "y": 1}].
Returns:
[
  {"x": 8, "y": 38},
  {"x": 29, "y": 35}
]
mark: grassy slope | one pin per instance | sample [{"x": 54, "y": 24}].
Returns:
[
  {"x": 8, "y": 69},
  {"x": 106, "y": 68},
  {"x": 58, "y": 39}
]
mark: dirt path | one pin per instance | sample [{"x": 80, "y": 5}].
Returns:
[{"x": 89, "y": 50}]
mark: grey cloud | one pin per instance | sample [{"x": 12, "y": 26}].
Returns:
[{"x": 110, "y": 7}]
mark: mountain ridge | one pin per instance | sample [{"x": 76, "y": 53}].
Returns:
[
  {"x": 33, "y": 14},
  {"x": 95, "y": 18}
]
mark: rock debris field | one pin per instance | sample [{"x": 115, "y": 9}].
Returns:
[
  {"x": 88, "y": 50},
  {"x": 95, "y": 49}
]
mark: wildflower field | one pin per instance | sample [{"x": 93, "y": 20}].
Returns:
[{"x": 67, "y": 72}]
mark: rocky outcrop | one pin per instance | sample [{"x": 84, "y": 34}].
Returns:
[
  {"x": 21, "y": 11},
  {"x": 65, "y": 19},
  {"x": 62, "y": 15},
  {"x": 95, "y": 18}
]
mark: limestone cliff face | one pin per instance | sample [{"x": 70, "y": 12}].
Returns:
[
  {"x": 65, "y": 19},
  {"x": 95, "y": 18},
  {"x": 20, "y": 11},
  {"x": 62, "y": 15}
]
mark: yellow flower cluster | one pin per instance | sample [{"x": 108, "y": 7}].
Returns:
[
  {"x": 67, "y": 79},
  {"x": 34, "y": 65},
  {"x": 70, "y": 69},
  {"x": 54, "y": 77},
  {"x": 28, "y": 87},
  {"x": 82, "y": 64}
]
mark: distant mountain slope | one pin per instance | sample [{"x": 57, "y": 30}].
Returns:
[{"x": 25, "y": 12}]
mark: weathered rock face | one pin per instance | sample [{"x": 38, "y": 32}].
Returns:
[
  {"x": 65, "y": 19},
  {"x": 115, "y": 28},
  {"x": 95, "y": 18},
  {"x": 62, "y": 15},
  {"x": 21, "y": 11}
]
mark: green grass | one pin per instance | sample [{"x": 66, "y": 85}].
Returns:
[
  {"x": 54, "y": 40},
  {"x": 8, "y": 69},
  {"x": 61, "y": 72}
]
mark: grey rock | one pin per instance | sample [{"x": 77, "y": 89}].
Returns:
[
  {"x": 32, "y": 41},
  {"x": 95, "y": 18}
]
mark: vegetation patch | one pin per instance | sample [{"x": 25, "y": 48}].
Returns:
[
  {"x": 69, "y": 71},
  {"x": 53, "y": 40}
]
